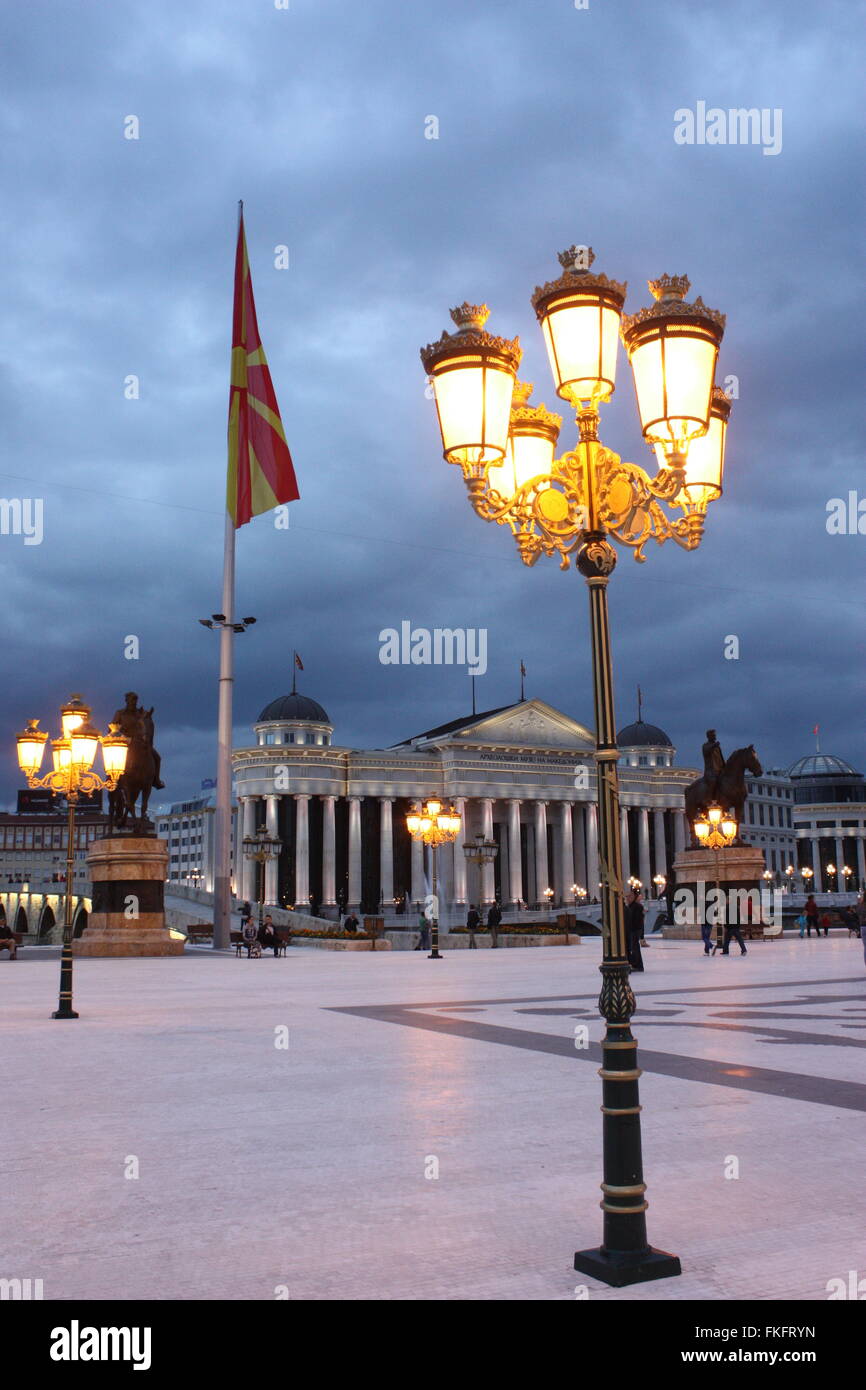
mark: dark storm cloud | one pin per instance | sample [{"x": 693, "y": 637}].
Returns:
[{"x": 555, "y": 125}]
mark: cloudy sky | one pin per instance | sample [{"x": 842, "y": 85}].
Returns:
[{"x": 555, "y": 125}]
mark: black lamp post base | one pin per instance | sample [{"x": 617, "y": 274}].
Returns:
[
  {"x": 435, "y": 955},
  {"x": 630, "y": 1267},
  {"x": 64, "y": 1013}
]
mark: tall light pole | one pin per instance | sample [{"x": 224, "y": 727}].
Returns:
[
  {"x": 262, "y": 848},
  {"x": 716, "y": 831},
  {"x": 73, "y": 754},
  {"x": 481, "y": 851},
  {"x": 574, "y": 505},
  {"x": 434, "y": 825}
]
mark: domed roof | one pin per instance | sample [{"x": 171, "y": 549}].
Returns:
[
  {"x": 641, "y": 735},
  {"x": 294, "y": 707},
  {"x": 821, "y": 765}
]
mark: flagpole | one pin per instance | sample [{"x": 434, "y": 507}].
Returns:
[{"x": 223, "y": 825}]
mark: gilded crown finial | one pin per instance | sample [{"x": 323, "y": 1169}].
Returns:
[
  {"x": 522, "y": 391},
  {"x": 467, "y": 316},
  {"x": 577, "y": 258},
  {"x": 669, "y": 287}
]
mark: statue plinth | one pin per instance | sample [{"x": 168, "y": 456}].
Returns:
[
  {"x": 127, "y": 916},
  {"x": 699, "y": 870}
]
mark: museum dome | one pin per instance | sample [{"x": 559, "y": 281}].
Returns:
[
  {"x": 821, "y": 765},
  {"x": 642, "y": 735},
  {"x": 294, "y": 708}
]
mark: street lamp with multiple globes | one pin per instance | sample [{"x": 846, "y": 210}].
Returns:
[
  {"x": 831, "y": 874},
  {"x": 73, "y": 754},
  {"x": 661, "y": 884},
  {"x": 481, "y": 851},
  {"x": 575, "y": 505},
  {"x": 261, "y": 848},
  {"x": 433, "y": 824},
  {"x": 807, "y": 875},
  {"x": 716, "y": 831},
  {"x": 847, "y": 871}
]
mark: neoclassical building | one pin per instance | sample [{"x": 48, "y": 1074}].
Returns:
[{"x": 523, "y": 775}]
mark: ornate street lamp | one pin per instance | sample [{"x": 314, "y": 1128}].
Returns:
[
  {"x": 262, "y": 848},
  {"x": 831, "y": 874},
  {"x": 481, "y": 851},
  {"x": 434, "y": 824},
  {"x": 807, "y": 875},
  {"x": 661, "y": 884},
  {"x": 716, "y": 831},
  {"x": 72, "y": 776},
  {"x": 847, "y": 871},
  {"x": 575, "y": 505}
]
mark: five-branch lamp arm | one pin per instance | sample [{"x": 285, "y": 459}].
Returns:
[
  {"x": 575, "y": 505},
  {"x": 434, "y": 824},
  {"x": 73, "y": 755}
]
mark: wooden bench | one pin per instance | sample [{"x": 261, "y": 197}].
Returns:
[
  {"x": 237, "y": 940},
  {"x": 199, "y": 931}
]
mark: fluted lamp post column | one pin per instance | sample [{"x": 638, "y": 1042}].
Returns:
[
  {"x": 434, "y": 824},
  {"x": 73, "y": 754},
  {"x": 576, "y": 505},
  {"x": 262, "y": 848}
]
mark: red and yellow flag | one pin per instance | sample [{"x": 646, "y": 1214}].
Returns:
[{"x": 260, "y": 473}]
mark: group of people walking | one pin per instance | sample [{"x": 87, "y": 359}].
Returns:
[{"x": 474, "y": 924}]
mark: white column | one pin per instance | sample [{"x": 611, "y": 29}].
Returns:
[
  {"x": 272, "y": 865},
  {"x": 816, "y": 864},
  {"x": 329, "y": 853},
  {"x": 248, "y": 866},
  {"x": 659, "y": 843},
  {"x": 354, "y": 853},
  {"x": 541, "y": 871},
  {"x": 487, "y": 881},
  {"x": 515, "y": 869},
  {"x": 579, "y": 823},
  {"x": 419, "y": 892},
  {"x": 302, "y": 853},
  {"x": 566, "y": 854},
  {"x": 623, "y": 838},
  {"x": 591, "y": 884},
  {"x": 459, "y": 856},
  {"x": 386, "y": 853},
  {"x": 840, "y": 860},
  {"x": 861, "y": 864},
  {"x": 679, "y": 831},
  {"x": 643, "y": 871}
]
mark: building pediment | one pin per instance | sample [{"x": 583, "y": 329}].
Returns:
[{"x": 532, "y": 724}]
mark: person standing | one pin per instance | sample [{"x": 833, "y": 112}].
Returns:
[
  {"x": 494, "y": 917},
  {"x": 634, "y": 915},
  {"x": 810, "y": 911},
  {"x": 473, "y": 921},
  {"x": 424, "y": 928}
]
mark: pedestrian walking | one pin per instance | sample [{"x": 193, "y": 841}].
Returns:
[
  {"x": 801, "y": 923},
  {"x": 707, "y": 936},
  {"x": 472, "y": 922},
  {"x": 424, "y": 928},
  {"x": 825, "y": 924},
  {"x": 810, "y": 911},
  {"x": 634, "y": 915},
  {"x": 732, "y": 929},
  {"x": 494, "y": 917}
]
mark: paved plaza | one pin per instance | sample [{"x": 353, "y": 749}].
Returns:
[{"x": 310, "y": 1171}]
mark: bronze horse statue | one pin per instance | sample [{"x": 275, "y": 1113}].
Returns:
[
  {"x": 140, "y": 775},
  {"x": 729, "y": 790}
]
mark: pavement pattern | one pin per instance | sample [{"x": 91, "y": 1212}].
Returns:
[{"x": 382, "y": 1126}]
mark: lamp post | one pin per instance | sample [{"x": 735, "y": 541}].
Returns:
[
  {"x": 481, "y": 851},
  {"x": 807, "y": 875},
  {"x": 661, "y": 884},
  {"x": 716, "y": 831},
  {"x": 831, "y": 874},
  {"x": 433, "y": 825},
  {"x": 73, "y": 754},
  {"x": 574, "y": 505},
  {"x": 261, "y": 848},
  {"x": 847, "y": 871},
  {"x": 789, "y": 875}
]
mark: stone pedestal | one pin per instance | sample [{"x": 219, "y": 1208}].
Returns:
[
  {"x": 127, "y": 918},
  {"x": 698, "y": 871}
]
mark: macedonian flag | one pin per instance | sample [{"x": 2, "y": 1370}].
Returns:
[{"x": 260, "y": 474}]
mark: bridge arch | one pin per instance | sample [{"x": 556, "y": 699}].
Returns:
[
  {"x": 79, "y": 921},
  {"x": 21, "y": 921},
  {"x": 47, "y": 923}
]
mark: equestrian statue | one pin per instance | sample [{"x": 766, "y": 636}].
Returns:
[
  {"x": 723, "y": 783},
  {"x": 143, "y": 765}
]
